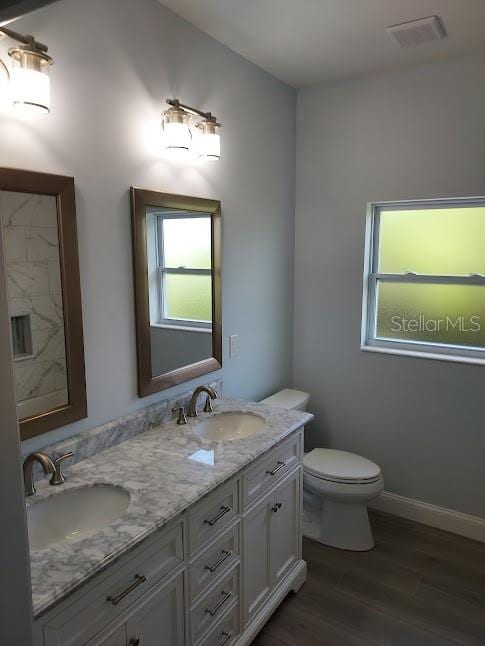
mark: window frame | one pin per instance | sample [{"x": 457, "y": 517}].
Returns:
[
  {"x": 424, "y": 349},
  {"x": 162, "y": 271}
]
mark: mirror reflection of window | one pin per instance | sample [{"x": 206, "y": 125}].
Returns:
[
  {"x": 179, "y": 250},
  {"x": 184, "y": 267},
  {"x": 177, "y": 270}
]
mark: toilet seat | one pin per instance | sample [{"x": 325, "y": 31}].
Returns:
[{"x": 340, "y": 467}]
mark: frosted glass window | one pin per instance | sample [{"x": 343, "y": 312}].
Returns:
[
  {"x": 424, "y": 283},
  {"x": 450, "y": 314},
  {"x": 441, "y": 241}
]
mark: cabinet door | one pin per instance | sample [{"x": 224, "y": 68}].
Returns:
[
  {"x": 159, "y": 621},
  {"x": 117, "y": 638},
  {"x": 256, "y": 557},
  {"x": 285, "y": 527}
]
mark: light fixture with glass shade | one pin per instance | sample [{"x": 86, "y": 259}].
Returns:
[
  {"x": 177, "y": 138},
  {"x": 29, "y": 86},
  {"x": 5, "y": 102},
  {"x": 181, "y": 140},
  {"x": 208, "y": 140}
]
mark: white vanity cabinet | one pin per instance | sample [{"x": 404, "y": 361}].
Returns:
[
  {"x": 271, "y": 542},
  {"x": 158, "y": 619},
  {"x": 211, "y": 577}
]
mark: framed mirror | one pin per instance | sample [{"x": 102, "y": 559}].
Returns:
[
  {"x": 177, "y": 267},
  {"x": 38, "y": 218}
]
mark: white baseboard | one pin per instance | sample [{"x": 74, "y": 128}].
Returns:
[{"x": 440, "y": 517}]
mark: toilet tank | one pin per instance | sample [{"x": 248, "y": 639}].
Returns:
[{"x": 289, "y": 399}]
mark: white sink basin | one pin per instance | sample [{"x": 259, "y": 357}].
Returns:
[
  {"x": 74, "y": 514},
  {"x": 230, "y": 426}
]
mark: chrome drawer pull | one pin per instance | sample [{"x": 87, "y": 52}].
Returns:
[
  {"x": 277, "y": 468},
  {"x": 139, "y": 579},
  {"x": 225, "y": 555},
  {"x": 219, "y": 604},
  {"x": 225, "y": 638},
  {"x": 223, "y": 512}
]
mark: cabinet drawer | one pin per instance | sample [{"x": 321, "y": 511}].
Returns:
[
  {"x": 225, "y": 632},
  {"x": 105, "y": 600},
  {"x": 205, "y": 615},
  {"x": 217, "y": 559},
  {"x": 271, "y": 469},
  {"x": 211, "y": 515}
]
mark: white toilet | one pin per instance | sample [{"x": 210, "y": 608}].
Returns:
[{"x": 341, "y": 485}]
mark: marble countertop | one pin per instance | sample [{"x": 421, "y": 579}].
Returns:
[{"x": 165, "y": 471}]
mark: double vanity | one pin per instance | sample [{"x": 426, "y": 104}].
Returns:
[
  {"x": 184, "y": 534},
  {"x": 165, "y": 527}
]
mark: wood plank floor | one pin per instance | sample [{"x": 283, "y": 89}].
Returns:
[{"x": 418, "y": 587}]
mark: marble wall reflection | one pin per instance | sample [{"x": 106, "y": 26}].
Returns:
[{"x": 34, "y": 292}]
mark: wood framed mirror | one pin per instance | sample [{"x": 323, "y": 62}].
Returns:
[
  {"x": 38, "y": 217},
  {"x": 177, "y": 270}
]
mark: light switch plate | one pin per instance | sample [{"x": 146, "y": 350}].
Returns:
[{"x": 233, "y": 345}]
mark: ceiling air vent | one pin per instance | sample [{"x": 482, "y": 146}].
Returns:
[{"x": 417, "y": 32}]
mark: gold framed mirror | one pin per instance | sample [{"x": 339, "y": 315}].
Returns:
[
  {"x": 177, "y": 272},
  {"x": 38, "y": 216}
]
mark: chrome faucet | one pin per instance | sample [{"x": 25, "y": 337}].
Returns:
[
  {"x": 49, "y": 466},
  {"x": 211, "y": 394}
]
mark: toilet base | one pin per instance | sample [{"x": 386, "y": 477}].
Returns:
[
  {"x": 346, "y": 527},
  {"x": 335, "y": 514}
]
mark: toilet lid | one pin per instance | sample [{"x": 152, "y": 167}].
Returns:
[{"x": 340, "y": 466}]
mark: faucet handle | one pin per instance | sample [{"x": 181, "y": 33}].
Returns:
[
  {"x": 58, "y": 477},
  {"x": 180, "y": 411},
  {"x": 208, "y": 405}
]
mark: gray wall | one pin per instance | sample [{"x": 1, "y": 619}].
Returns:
[
  {"x": 417, "y": 133},
  {"x": 115, "y": 61}
]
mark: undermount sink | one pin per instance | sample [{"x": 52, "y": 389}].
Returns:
[
  {"x": 71, "y": 515},
  {"x": 230, "y": 426}
]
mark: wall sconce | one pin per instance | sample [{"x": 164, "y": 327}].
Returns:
[
  {"x": 180, "y": 140},
  {"x": 29, "y": 86},
  {"x": 177, "y": 138}
]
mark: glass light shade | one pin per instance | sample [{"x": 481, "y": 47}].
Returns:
[
  {"x": 5, "y": 100},
  {"x": 208, "y": 143},
  {"x": 29, "y": 81},
  {"x": 176, "y": 135}
]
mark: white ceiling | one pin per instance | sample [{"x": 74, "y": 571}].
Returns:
[{"x": 303, "y": 42}]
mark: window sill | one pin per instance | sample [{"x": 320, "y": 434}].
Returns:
[
  {"x": 422, "y": 354},
  {"x": 182, "y": 328}
]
